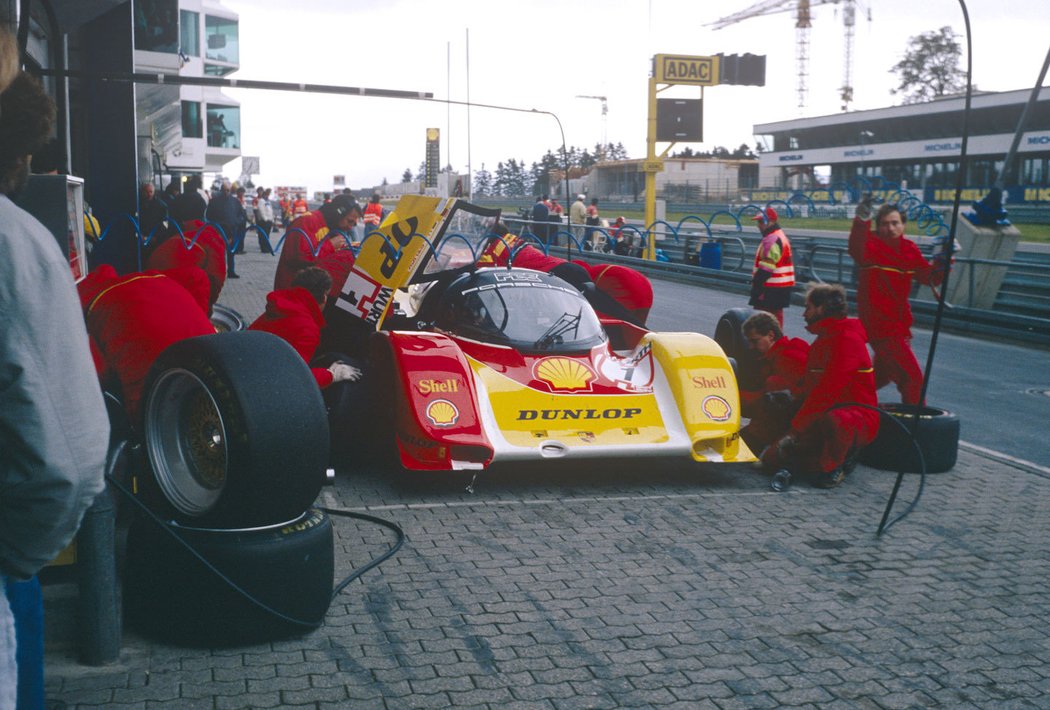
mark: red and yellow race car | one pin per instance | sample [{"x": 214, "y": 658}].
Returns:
[{"x": 479, "y": 365}]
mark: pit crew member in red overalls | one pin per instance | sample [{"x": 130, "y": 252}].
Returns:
[
  {"x": 199, "y": 246},
  {"x": 334, "y": 220},
  {"x": 373, "y": 216},
  {"x": 773, "y": 276},
  {"x": 887, "y": 262},
  {"x": 294, "y": 314},
  {"x": 132, "y": 319},
  {"x": 838, "y": 415},
  {"x": 628, "y": 290},
  {"x": 772, "y": 406}
]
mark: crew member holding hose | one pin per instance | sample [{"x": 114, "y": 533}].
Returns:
[{"x": 887, "y": 262}]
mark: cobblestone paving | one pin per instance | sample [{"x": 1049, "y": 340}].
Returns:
[
  {"x": 646, "y": 585},
  {"x": 663, "y": 588}
]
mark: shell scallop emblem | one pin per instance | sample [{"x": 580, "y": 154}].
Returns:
[
  {"x": 717, "y": 408},
  {"x": 441, "y": 412},
  {"x": 564, "y": 374}
]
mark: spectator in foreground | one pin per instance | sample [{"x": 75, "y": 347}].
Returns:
[{"x": 53, "y": 426}]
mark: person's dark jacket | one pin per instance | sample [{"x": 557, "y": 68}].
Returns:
[{"x": 227, "y": 211}]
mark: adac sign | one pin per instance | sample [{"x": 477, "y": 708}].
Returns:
[{"x": 678, "y": 69}]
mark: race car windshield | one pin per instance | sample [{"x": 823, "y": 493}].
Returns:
[
  {"x": 459, "y": 242},
  {"x": 530, "y": 316}
]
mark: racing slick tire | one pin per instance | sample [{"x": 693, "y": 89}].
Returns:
[
  {"x": 729, "y": 335},
  {"x": 235, "y": 431},
  {"x": 893, "y": 450},
  {"x": 286, "y": 569},
  {"x": 226, "y": 320}
]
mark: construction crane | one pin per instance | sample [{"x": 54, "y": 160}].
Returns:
[
  {"x": 605, "y": 114},
  {"x": 803, "y": 23}
]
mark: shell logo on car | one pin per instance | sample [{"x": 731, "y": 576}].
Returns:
[
  {"x": 430, "y": 386},
  {"x": 442, "y": 413},
  {"x": 564, "y": 374},
  {"x": 717, "y": 408}
]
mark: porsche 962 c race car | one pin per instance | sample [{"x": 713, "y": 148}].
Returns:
[{"x": 493, "y": 364}]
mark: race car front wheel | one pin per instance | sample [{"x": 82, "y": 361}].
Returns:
[
  {"x": 235, "y": 431},
  {"x": 729, "y": 334}
]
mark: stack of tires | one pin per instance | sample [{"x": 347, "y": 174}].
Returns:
[{"x": 228, "y": 549}]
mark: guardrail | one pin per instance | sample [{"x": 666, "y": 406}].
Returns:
[{"x": 1027, "y": 319}]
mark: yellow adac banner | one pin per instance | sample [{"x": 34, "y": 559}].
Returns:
[{"x": 385, "y": 264}]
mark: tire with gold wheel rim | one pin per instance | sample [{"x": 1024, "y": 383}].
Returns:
[{"x": 235, "y": 431}]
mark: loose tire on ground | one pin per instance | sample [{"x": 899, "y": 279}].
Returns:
[
  {"x": 729, "y": 335},
  {"x": 893, "y": 450},
  {"x": 235, "y": 430},
  {"x": 170, "y": 594}
]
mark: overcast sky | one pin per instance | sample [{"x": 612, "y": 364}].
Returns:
[{"x": 543, "y": 53}]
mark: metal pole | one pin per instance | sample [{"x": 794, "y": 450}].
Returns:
[
  {"x": 1032, "y": 98},
  {"x": 98, "y": 617}
]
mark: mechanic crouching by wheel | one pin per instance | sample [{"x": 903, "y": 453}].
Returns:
[
  {"x": 333, "y": 254},
  {"x": 295, "y": 315},
  {"x": 783, "y": 371},
  {"x": 838, "y": 416},
  {"x": 132, "y": 319}
]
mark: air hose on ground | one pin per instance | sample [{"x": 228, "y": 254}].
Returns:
[{"x": 337, "y": 589}]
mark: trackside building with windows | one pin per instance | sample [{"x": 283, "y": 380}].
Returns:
[{"x": 915, "y": 146}]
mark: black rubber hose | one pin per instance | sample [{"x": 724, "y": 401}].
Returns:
[{"x": 244, "y": 593}]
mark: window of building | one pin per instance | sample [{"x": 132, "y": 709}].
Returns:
[
  {"x": 190, "y": 33},
  {"x": 224, "y": 126},
  {"x": 218, "y": 70},
  {"x": 192, "y": 126},
  {"x": 1034, "y": 171},
  {"x": 157, "y": 26},
  {"x": 221, "y": 39}
]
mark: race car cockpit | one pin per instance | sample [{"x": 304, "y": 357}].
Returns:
[{"x": 520, "y": 308}]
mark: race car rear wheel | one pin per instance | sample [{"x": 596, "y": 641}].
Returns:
[
  {"x": 893, "y": 450},
  {"x": 235, "y": 431},
  {"x": 287, "y": 569}
]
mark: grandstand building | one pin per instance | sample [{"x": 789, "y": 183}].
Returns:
[{"x": 916, "y": 147}]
